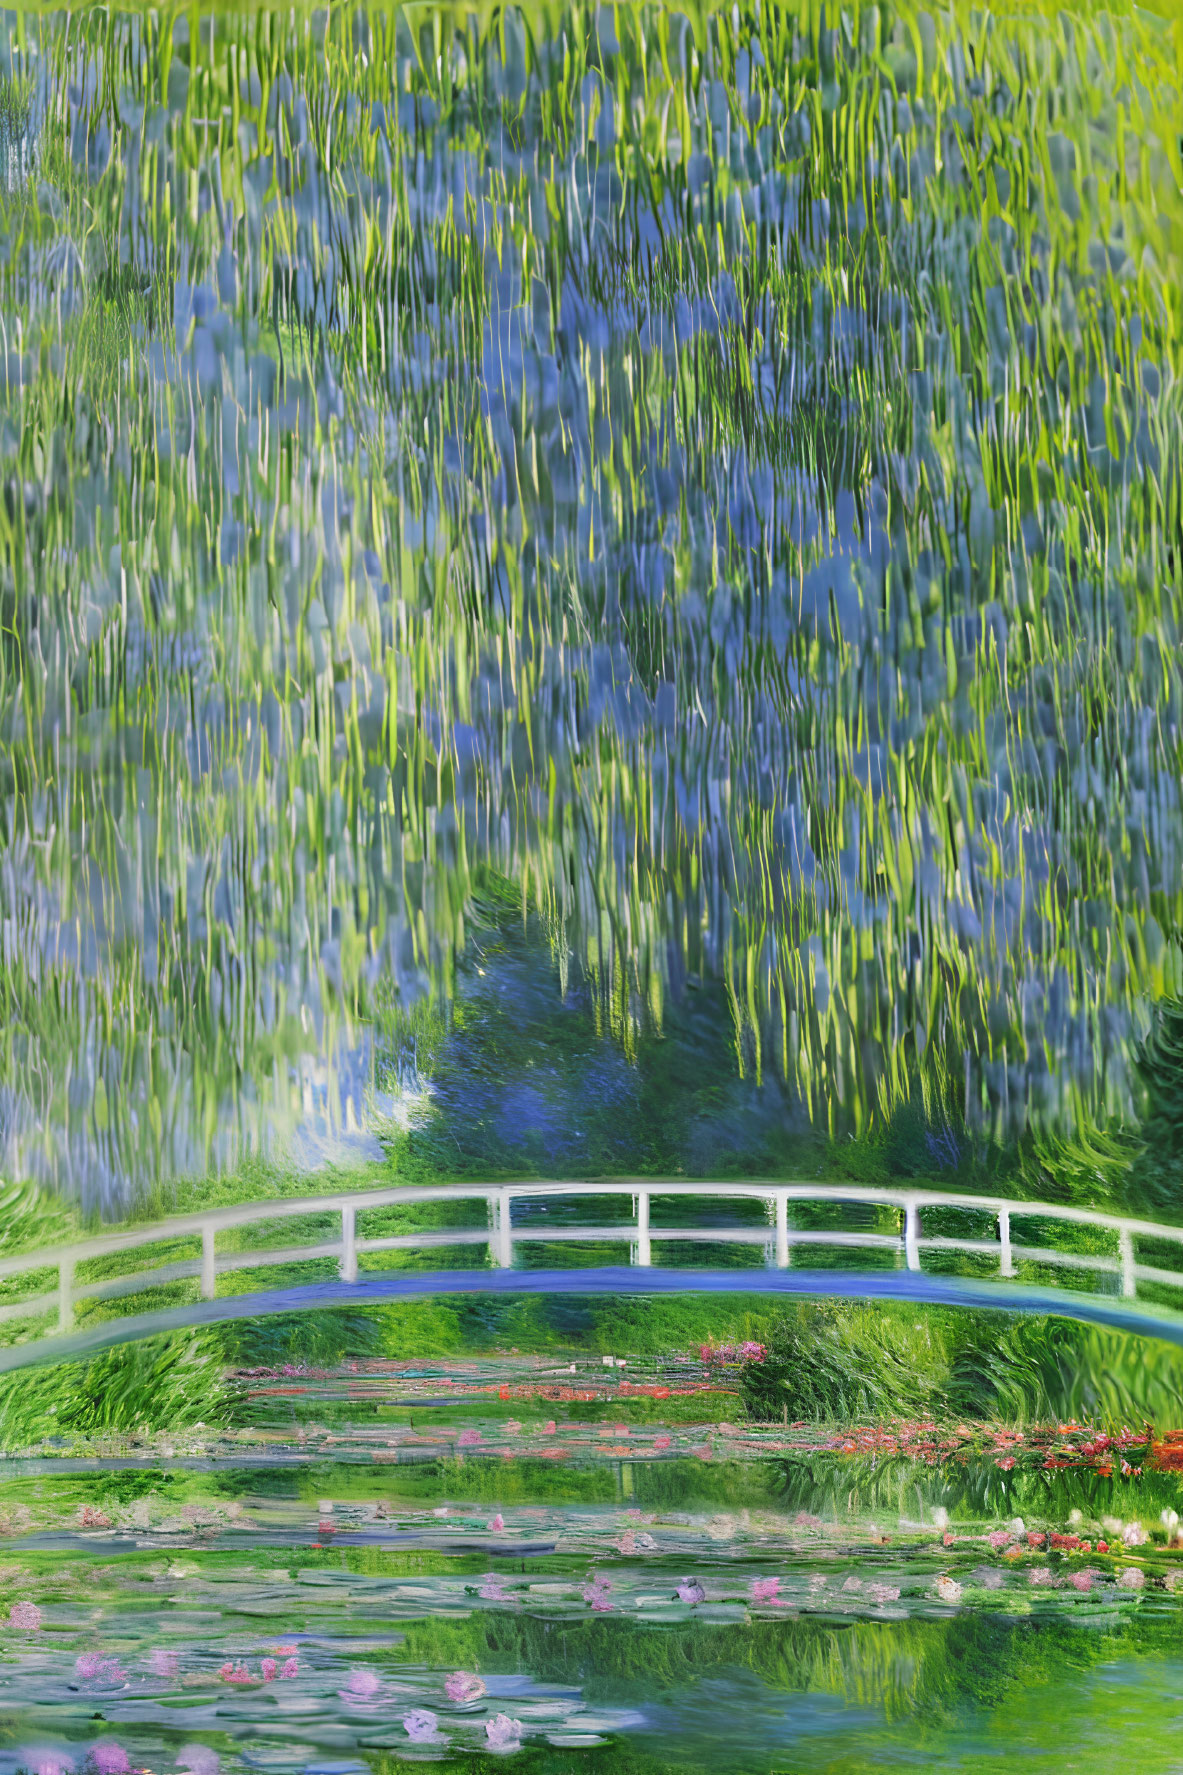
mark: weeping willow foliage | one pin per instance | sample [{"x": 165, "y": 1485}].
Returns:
[{"x": 721, "y": 470}]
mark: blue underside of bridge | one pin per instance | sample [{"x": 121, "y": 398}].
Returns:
[{"x": 903, "y": 1285}]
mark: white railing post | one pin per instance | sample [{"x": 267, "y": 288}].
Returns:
[
  {"x": 782, "y": 1232},
  {"x": 500, "y": 1230},
  {"x": 642, "y": 1250},
  {"x": 349, "y": 1243},
  {"x": 209, "y": 1267},
  {"x": 1006, "y": 1262},
  {"x": 66, "y": 1294},
  {"x": 912, "y": 1236},
  {"x": 1129, "y": 1282}
]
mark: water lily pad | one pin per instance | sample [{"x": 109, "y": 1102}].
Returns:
[{"x": 278, "y": 1756}]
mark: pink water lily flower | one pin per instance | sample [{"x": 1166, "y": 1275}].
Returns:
[
  {"x": 109, "y": 1758},
  {"x": 53, "y": 1765},
  {"x": 503, "y": 1733},
  {"x": 421, "y": 1726},
  {"x": 163, "y": 1663},
  {"x": 270, "y": 1670},
  {"x": 235, "y": 1673},
  {"x": 492, "y": 1587},
  {"x": 764, "y": 1590},
  {"x": 363, "y": 1685},
  {"x": 93, "y": 1667},
  {"x": 661, "y": 1443},
  {"x": 497, "y": 1524},
  {"x": 26, "y": 1616},
  {"x": 469, "y": 1438},
  {"x": 462, "y": 1687},
  {"x": 691, "y": 1591}
]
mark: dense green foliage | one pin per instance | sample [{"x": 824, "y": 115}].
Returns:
[
  {"x": 846, "y": 1361},
  {"x": 1156, "y": 1177},
  {"x": 158, "y": 1384}
]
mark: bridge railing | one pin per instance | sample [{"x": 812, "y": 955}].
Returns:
[{"x": 777, "y": 1238}]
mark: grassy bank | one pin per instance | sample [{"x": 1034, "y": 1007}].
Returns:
[{"x": 835, "y": 1362}]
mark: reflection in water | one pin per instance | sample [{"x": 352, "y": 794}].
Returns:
[{"x": 618, "y": 1635}]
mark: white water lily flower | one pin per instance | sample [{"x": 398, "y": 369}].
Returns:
[
  {"x": 503, "y": 1733},
  {"x": 198, "y": 1759},
  {"x": 421, "y": 1725},
  {"x": 948, "y": 1589}
]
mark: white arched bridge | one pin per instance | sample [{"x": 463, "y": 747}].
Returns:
[{"x": 916, "y": 1256}]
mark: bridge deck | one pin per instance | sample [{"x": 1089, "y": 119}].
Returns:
[
  {"x": 1110, "y": 1253},
  {"x": 956, "y": 1291}
]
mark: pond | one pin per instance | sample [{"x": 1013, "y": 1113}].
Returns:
[{"x": 331, "y": 1618}]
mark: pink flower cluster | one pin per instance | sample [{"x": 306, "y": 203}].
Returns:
[
  {"x": 271, "y": 1671},
  {"x": 92, "y": 1667},
  {"x": 595, "y": 1595},
  {"x": 748, "y": 1351}
]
